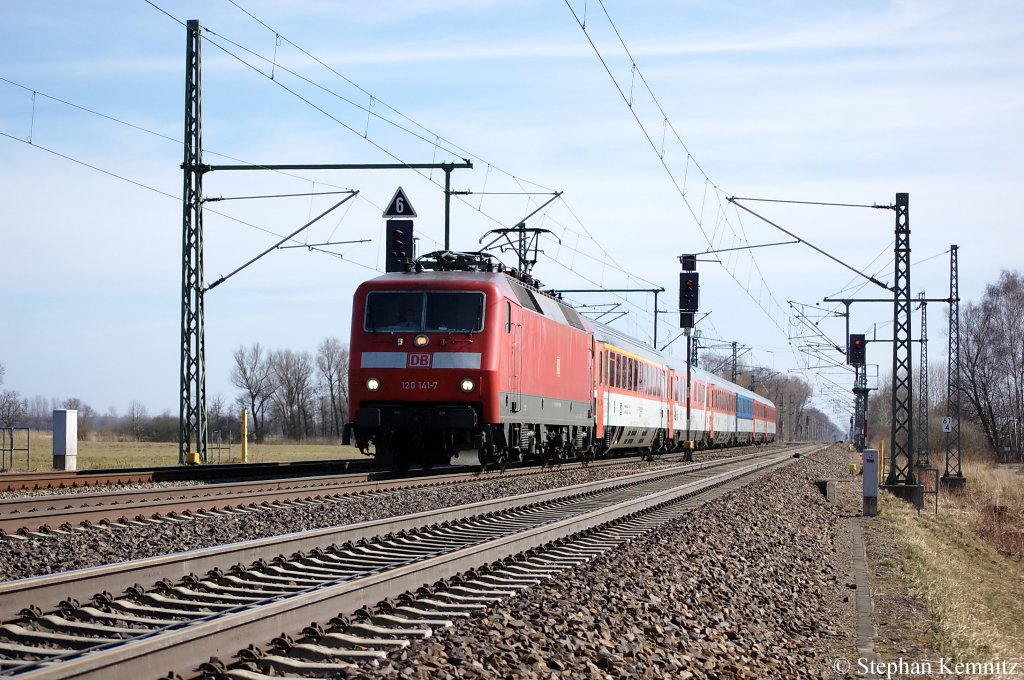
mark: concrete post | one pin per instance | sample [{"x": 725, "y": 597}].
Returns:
[{"x": 65, "y": 439}]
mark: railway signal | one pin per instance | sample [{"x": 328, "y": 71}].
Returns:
[
  {"x": 399, "y": 245},
  {"x": 857, "y": 351},
  {"x": 689, "y": 291}
]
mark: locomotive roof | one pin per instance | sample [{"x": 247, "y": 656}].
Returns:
[{"x": 527, "y": 296}]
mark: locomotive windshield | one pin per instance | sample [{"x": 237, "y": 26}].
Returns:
[{"x": 402, "y": 311}]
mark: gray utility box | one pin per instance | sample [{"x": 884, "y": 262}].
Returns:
[
  {"x": 65, "y": 439},
  {"x": 870, "y": 472}
]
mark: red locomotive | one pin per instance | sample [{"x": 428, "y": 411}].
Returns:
[{"x": 450, "y": 361}]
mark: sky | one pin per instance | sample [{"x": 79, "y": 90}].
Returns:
[{"x": 647, "y": 116}]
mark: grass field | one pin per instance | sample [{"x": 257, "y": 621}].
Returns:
[
  {"x": 967, "y": 562},
  {"x": 97, "y": 454}
]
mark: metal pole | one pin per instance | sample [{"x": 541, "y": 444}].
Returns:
[
  {"x": 901, "y": 470},
  {"x": 655, "y": 342},
  {"x": 921, "y": 432},
  {"x": 734, "y": 366},
  {"x": 688, "y": 374},
  {"x": 192, "y": 413},
  {"x": 447, "y": 167},
  {"x": 953, "y": 476}
]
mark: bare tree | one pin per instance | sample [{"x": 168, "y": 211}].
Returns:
[
  {"x": 86, "y": 415},
  {"x": 12, "y": 409},
  {"x": 293, "y": 374},
  {"x": 219, "y": 416},
  {"x": 136, "y": 420},
  {"x": 3, "y": 372},
  {"x": 332, "y": 361},
  {"x": 992, "y": 364},
  {"x": 39, "y": 414},
  {"x": 253, "y": 375}
]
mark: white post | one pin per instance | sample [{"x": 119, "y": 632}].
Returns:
[{"x": 65, "y": 439}]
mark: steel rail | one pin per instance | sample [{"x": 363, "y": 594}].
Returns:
[
  {"x": 31, "y": 513},
  {"x": 180, "y": 649},
  {"x": 56, "y": 479}
]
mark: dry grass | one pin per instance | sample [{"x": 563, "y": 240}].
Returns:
[
  {"x": 98, "y": 454},
  {"x": 993, "y": 505},
  {"x": 966, "y": 563}
]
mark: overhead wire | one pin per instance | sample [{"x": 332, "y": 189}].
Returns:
[
  {"x": 370, "y": 110},
  {"x": 437, "y": 138},
  {"x": 161, "y": 192}
]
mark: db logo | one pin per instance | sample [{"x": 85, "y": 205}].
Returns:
[{"x": 419, "y": 360}]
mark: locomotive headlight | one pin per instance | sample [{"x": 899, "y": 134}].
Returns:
[
  {"x": 467, "y": 385},
  {"x": 372, "y": 384},
  {"x": 420, "y": 340}
]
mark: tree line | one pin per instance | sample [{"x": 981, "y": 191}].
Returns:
[{"x": 293, "y": 394}]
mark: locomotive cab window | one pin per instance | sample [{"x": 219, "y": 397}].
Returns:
[
  {"x": 459, "y": 312},
  {"x": 401, "y": 311}
]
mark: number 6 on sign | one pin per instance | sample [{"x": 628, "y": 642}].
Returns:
[
  {"x": 399, "y": 206},
  {"x": 947, "y": 424}
]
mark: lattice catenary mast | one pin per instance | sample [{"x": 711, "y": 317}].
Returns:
[
  {"x": 953, "y": 476},
  {"x": 192, "y": 436},
  {"x": 901, "y": 470},
  {"x": 921, "y": 433}
]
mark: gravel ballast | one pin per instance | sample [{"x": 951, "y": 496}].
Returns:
[
  {"x": 753, "y": 584},
  {"x": 100, "y": 545}
]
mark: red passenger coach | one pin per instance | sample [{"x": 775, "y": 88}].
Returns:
[{"x": 443, "y": 361}]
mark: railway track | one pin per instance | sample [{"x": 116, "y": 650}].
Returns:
[
  {"x": 207, "y": 603},
  {"x": 71, "y": 479},
  {"x": 36, "y": 516}
]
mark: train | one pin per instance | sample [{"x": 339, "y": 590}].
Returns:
[{"x": 443, "y": 362}]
